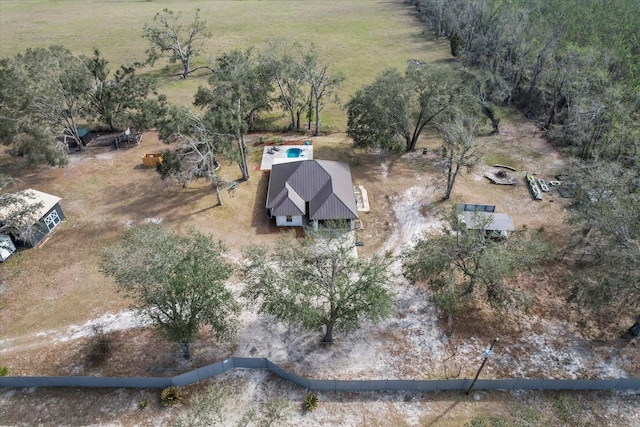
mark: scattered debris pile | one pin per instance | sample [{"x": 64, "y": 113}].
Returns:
[{"x": 500, "y": 177}]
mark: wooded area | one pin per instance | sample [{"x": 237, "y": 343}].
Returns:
[{"x": 573, "y": 68}]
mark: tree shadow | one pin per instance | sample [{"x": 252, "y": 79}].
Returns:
[{"x": 259, "y": 219}]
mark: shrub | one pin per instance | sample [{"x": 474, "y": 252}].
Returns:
[
  {"x": 491, "y": 421},
  {"x": 142, "y": 403},
  {"x": 274, "y": 412},
  {"x": 100, "y": 345},
  {"x": 455, "y": 43},
  {"x": 311, "y": 402},
  {"x": 4, "y": 371},
  {"x": 170, "y": 396}
]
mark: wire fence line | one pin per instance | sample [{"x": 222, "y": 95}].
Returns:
[{"x": 218, "y": 368}]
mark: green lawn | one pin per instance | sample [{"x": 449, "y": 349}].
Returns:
[{"x": 359, "y": 38}]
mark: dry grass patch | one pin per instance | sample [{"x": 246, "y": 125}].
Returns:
[{"x": 359, "y": 38}]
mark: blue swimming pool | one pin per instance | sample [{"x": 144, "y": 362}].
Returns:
[{"x": 294, "y": 152}]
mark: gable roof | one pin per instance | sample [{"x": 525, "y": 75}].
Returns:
[
  {"x": 325, "y": 185},
  {"x": 32, "y": 197}
]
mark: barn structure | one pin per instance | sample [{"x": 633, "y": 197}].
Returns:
[{"x": 46, "y": 216}]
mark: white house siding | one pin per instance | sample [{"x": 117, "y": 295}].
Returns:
[{"x": 296, "y": 221}]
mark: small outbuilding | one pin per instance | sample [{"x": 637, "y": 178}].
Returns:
[
  {"x": 496, "y": 224},
  {"x": 483, "y": 217},
  {"x": 46, "y": 216}
]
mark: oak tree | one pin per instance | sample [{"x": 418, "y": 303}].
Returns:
[
  {"x": 284, "y": 61},
  {"x": 179, "y": 43},
  {"x": 318, "y": 282},
  {"x": 198, "y": 153},
  {"x": 125, "y": 98},
  {"x": 239, "y": 89},
  {"x": 460, "y": 264},
  {"x": 177, "y": 282},
  {"x": 396, "y": 108},
  {"x": 44, "y": 94}
]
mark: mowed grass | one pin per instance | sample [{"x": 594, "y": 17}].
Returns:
[{"x": 359, "y": 38}]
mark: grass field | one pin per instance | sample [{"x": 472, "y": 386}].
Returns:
[{"x": 359, "y": 38}]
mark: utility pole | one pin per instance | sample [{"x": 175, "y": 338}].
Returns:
[{"x": 488, "y": 352}]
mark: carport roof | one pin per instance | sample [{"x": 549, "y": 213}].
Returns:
[{"x": 488, "y": 221}]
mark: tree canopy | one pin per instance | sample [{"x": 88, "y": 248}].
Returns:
[
  {"x": 126, "y": 99},
  {"x": 459, "y": 149},
  {"x": 175, "y": 281},
  {"x": 393, "y": 111},
  {"x": 47, "y": 95},
  {"x": 461, "y": 264},
  {"x": 605, "y": 214},
  {"x": 17, "y": 211},
  {"x": 179, "y": 43},
  {"x": 44, "y": 93},
  {"x": 285, "y": 63},
  {"x": 323, "y": 85},
  {"x": 239, "y": 88},
  {"x": 318, "y": 282},
  {"x": 198, "y": 153},
  {"x": 580, "y": 86}
]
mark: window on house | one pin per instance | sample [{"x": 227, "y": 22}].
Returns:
[{"x": 289, "y": 218}]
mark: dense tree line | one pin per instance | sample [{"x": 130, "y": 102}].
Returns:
[{"x": 574, "y": 67}]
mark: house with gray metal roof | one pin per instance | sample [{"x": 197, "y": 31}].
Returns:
[{"x": 310, "y": 191}]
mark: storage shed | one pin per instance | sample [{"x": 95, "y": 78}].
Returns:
[
  {"x": 497, "y": 224},
  {"x": 47, "y": 216}
]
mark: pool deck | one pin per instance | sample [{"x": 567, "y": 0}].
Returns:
[{"x": 278, "y": 154}]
